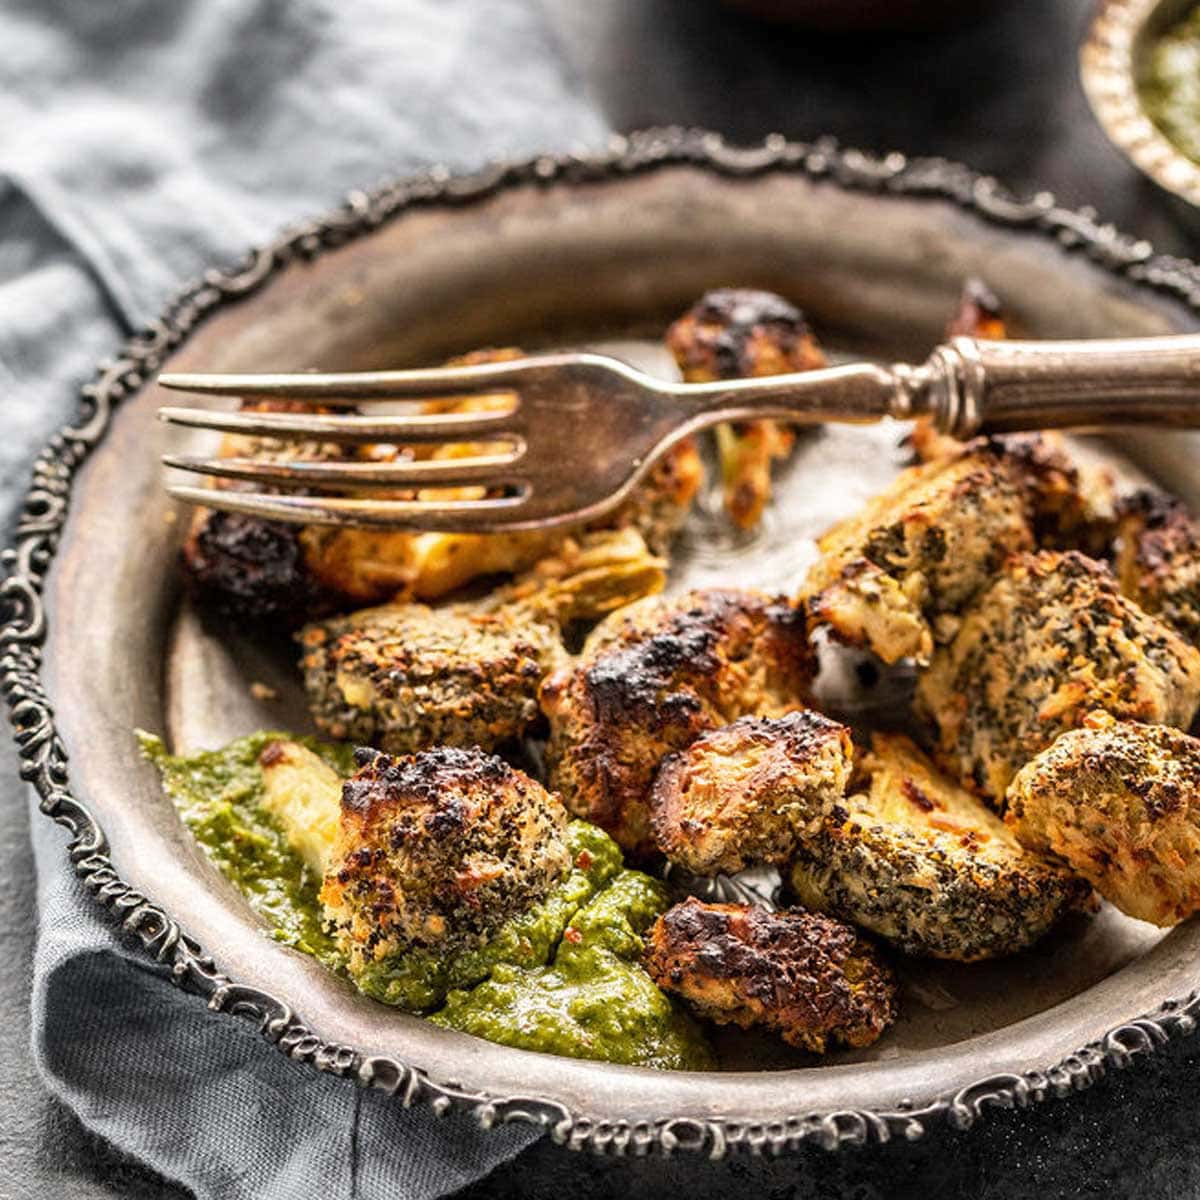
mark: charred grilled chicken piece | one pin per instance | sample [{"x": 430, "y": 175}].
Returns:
[
  {"x": 741, "y": 795},
  {"x": 1049, "y": 641},
  {"x": 734, "y": 333},
  {"x": 1120, "y": 802},
  {"x": 274, "y": 573},
  {"x": 919, "y": 861},
  {"x": 406, "y": 676},
  {"x": 654, "y": 677},
  {"x": 1158, "y": 560},
  {"x": 435, "y": 852},
  {"x": 804, "y": 976},
  {"x": 894, "y": 577},
  {"x": 1072, "y": 505}
]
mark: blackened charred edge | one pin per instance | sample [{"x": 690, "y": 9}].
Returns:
[{"x": 43, "y": 757}]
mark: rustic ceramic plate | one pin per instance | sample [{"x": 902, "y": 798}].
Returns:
[{"x": 567, "y": 251}]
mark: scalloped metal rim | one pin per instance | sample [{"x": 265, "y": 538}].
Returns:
[
  {"x": 1110, "y": 81},
  {"x": 43, "y": 757}
]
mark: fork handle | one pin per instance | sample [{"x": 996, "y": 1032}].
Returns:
[{"x": 974, "y": 386}]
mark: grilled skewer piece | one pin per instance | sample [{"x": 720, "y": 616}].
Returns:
[
  {"x": 651, "y": 679},
  {"x": 810, "y": 979},
  {"x": 737, "y": 333},
  {"x": 741, "y": 795},
  {"x": 1049, "y": 641},
  {"x": 1120, "y": 802},
  {"x": 919, "y": 861},
  {"x": 406, "y": 676}
]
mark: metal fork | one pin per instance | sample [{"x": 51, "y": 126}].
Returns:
[{"x": 584, "y": 429}]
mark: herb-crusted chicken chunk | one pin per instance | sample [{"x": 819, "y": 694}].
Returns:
[
  {"x": 921, "y": 862},
  {"x": 736, "y": 333},
  {"x": 1158, "y": 560},
  {"x": 651, "y": 679},
  {"x": 406, "y": 676},
  {"x": 804, "y": 976},
  {"x": 740, "y": 795},
  {"x": 1120, "y": 802},
  {"x": 894, "y": 577},
  {"x": 1049, "y": 641},
  {"x": 435, "y": 852}
]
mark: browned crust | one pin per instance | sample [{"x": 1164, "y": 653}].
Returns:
[
  {"x": 806, "y": 977},
  {"x": 733, "y": 333},
  {"x": 1051, "y": 640},
  {"x": 438, "y": 849},
  {"x": 742, "y": 794},
  {"x": 651, "y": 680},
  {"x": 1120, "y": 802},
  {"x": 1158, "y": 559}
]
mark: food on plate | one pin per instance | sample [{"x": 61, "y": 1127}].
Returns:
[
  {"x": 919, "y": 861},
  {"x": 1072, "y": 504},
  {"x": 894, "y": 577},
  {"x": 652, "y": 678},
  {"x": 1157, "y": 560},
  {"x": 279, "y": 575},
  {"x": 1119, "y": 801},
  {"x": 810, "y": 979},
  {"x": 1049, "y": 641},
  {"x": 434, "y": 875},
  {"x": 436, "y": 851},
  {"x": 558, "y": 973},
  {"x": 741, "y": 795},
  {"x": 302, "y": 792},
  {"x": 736, "y": 333},
  {"x": 594, "y": 1000},
  {"x": 404, "y": 676},
  {"x": 219, "y": 795}
]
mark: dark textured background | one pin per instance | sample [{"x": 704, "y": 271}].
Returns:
[{"x": 1004, "y": 97}]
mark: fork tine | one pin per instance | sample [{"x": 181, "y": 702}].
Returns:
[
  {"x": 362, "y": 385},
  {"x": 442, "y": 472},
  {"x": 445, "y": 515},
  {"x": 420, "y": 427}
]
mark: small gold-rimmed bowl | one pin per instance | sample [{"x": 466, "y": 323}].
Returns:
[{"x": 1112, "y": 62}]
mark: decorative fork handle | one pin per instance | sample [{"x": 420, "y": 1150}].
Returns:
[{"x": 970, "y": 386}]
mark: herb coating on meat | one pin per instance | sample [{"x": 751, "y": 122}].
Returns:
[
  {"x": 436, "y": 851},
  {"x": 1120, "y": 802},
  {"x": 654, "y": 677},
  {"x": 1049, "y": 641},
  {"x": 921, "y": 862}
]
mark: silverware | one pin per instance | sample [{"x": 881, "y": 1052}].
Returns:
[{"x": 584, "y": 429}]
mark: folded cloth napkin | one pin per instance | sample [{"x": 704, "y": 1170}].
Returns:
[{"x": 140, "y": 142}]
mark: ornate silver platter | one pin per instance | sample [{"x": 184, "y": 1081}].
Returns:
[{"x": 561, "y": 251}]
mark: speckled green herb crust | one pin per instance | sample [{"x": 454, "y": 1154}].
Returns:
[
  {"x": 1170, "y": 84},
  {"x": 419, "y": 980},
  {"x": 563, "y": 977},
  {"x": 218, "y": 794}
]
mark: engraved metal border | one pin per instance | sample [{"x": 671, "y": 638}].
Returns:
[{"x": 43, "y": 758}]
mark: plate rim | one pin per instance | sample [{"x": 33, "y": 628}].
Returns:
[{"x": 43, "y": 756}]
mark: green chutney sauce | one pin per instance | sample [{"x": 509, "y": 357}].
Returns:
[
  {"x": 563, "y": 977},
  {"x": 1169, "y": 82}
]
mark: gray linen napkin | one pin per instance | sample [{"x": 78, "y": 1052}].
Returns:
[{"x": 140, "y": 141}]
